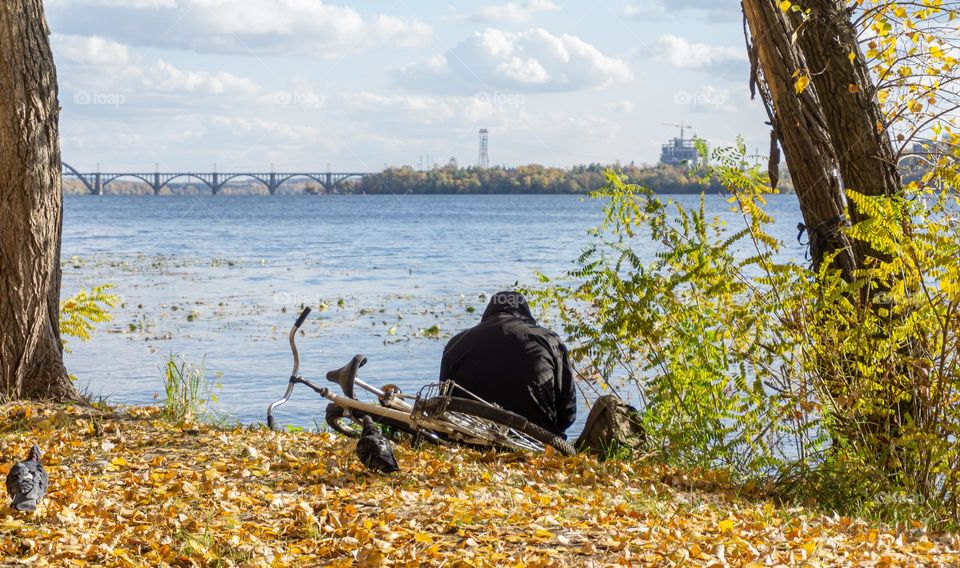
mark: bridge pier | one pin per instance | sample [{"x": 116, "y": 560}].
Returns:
[
  {"x": 328, "y": 183},
  {"x": 97, "y": 186},
  {"x": 272, "y": 186},
  {"x": 155, "y": 186},
  {"x": 215, "y": 185}
]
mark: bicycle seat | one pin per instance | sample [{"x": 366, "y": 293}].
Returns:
[{"x": 344, "y": 376}]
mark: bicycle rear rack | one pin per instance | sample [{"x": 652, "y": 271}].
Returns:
[{"x": 432, "y": 400}]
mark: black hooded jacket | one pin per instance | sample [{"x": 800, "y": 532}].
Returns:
[{"x": 510, "y": 360}]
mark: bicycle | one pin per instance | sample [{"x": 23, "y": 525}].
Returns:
[{"x": 434, "y": 415}]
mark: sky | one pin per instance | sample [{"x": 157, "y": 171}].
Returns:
[{"x": 305, "y": 85}]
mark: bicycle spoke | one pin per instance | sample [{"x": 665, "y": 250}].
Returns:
[{"x": 496, "y": 433}]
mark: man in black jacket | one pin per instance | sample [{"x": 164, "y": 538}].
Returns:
[{"x": 510, "y": 360}]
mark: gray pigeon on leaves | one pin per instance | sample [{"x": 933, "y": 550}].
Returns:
[
  {"x": 27, "y": 482},
  {"x": 374, "y": 449}
]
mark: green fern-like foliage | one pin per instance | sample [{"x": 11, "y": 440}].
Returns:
[
  {"x": 80, "y": 313},
  {"x": 692, "y": 327},
  {"x": 846, "y": 390}
]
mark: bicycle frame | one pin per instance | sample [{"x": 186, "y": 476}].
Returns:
[
  {"x": 442, "y": 427},
  {"x": 398, "y": 410}
]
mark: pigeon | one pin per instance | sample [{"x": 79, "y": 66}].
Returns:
[
  {"x": 27, "y": 482},
  {"x": 374, "y": 449}
]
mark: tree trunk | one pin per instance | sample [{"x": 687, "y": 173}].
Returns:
[
  {"x": 835, "y": 138},
  {"x": 798, "y": 120},
  {"x": 31, "y": 208},
  {"x": 847, "y": 96}
]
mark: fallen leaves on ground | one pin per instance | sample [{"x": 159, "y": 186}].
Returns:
[{"x": 129, "y": 489}]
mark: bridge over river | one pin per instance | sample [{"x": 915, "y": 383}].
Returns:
[{"x": 97, "y": 182}]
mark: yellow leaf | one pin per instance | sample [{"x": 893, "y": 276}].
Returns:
[
  {"x": 852, "y": 56},
  {"x": 423, "y": 537},
  {"x": 853, "y": 88},
  {"x": 543, "y": 533},
  {"x": 785, "y": 5},
  {"x": 118, "y": 461},
  {"x": 801, "y": 84},
  {"x": 725, "y": 525}
]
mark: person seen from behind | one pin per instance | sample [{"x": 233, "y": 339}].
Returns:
[{"x": 509, "y": 360}]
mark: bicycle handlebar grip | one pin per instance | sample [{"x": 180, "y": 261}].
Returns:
[{"x": 303, "y": 316}]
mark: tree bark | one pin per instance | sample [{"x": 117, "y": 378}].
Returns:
[
  {"x": 848, "y": 98},
  {"x": 835, "y": 139},
  {"x": 31, "y": 209},
  {"x": 798, "y": 120}
]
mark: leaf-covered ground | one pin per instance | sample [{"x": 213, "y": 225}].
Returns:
[{"x": 129, "y": 489}]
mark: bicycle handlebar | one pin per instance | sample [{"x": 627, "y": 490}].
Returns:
[
  {"x": 296, "y": 367},
  {"x": 303, "y": 316}
]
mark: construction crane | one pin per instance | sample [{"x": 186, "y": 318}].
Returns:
[{"x": 681, "y": 126}]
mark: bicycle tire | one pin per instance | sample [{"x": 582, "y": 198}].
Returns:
[
  {"x": 335, "y": 413},
  {"x": 504, "y": 418}
]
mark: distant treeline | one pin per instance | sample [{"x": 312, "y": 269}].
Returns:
[
  {"x": 527, "y": 179},
  {"x": 451, "y": 179}
]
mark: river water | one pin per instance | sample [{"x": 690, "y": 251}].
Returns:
[{"x": 221, "y": 280}]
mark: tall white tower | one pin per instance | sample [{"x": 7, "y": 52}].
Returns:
[{"x": 484, "y": 155}]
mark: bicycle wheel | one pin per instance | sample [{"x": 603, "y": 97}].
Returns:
[
  {"x": 502, "y": 427},
  {"x": 337, "y": 419}
]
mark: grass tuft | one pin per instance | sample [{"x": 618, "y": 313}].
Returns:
[{"x": 189, "y": 391}]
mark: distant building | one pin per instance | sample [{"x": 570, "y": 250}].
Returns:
[
  {"x": 484, "y": 161},
  {"x": 927, "y": 152},
  {"x": 923, "y": 157},
  {"x": 680, "y": 152}
]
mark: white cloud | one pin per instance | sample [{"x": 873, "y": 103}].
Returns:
[
  {"x": 514, "y": 12},
  {"x": 274, "y": 27},
  {"x": 533, "y": 60},
  {"x": 427, "y": 109},
  {"x": 419, "y": 115},
  {"x": 117, "y": 3},
  {"x": 645, "y": 9},
  {"x": 622, "y": 106},
  {"x": 164, "y": 77},
  {"x": 262, "y": 130},
  {"x": 90, "y": 50},
  {"x": 715, "y": 10},
  {"x": 683, "y": 54},
  {"x": 90, "y": 65},
  {"x": 136, "y": 89}
]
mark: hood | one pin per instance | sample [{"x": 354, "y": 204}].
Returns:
[{"x": 508, "y": 303}]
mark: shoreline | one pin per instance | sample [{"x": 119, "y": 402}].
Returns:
[{"x": 128, "y": 488}]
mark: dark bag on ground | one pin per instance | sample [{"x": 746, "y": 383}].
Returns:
[{"x": 613, "y": 428}]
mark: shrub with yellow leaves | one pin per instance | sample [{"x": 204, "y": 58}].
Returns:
[
  {"x": 80, "y": 312},
  {"x": 754, "y": 364}
]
